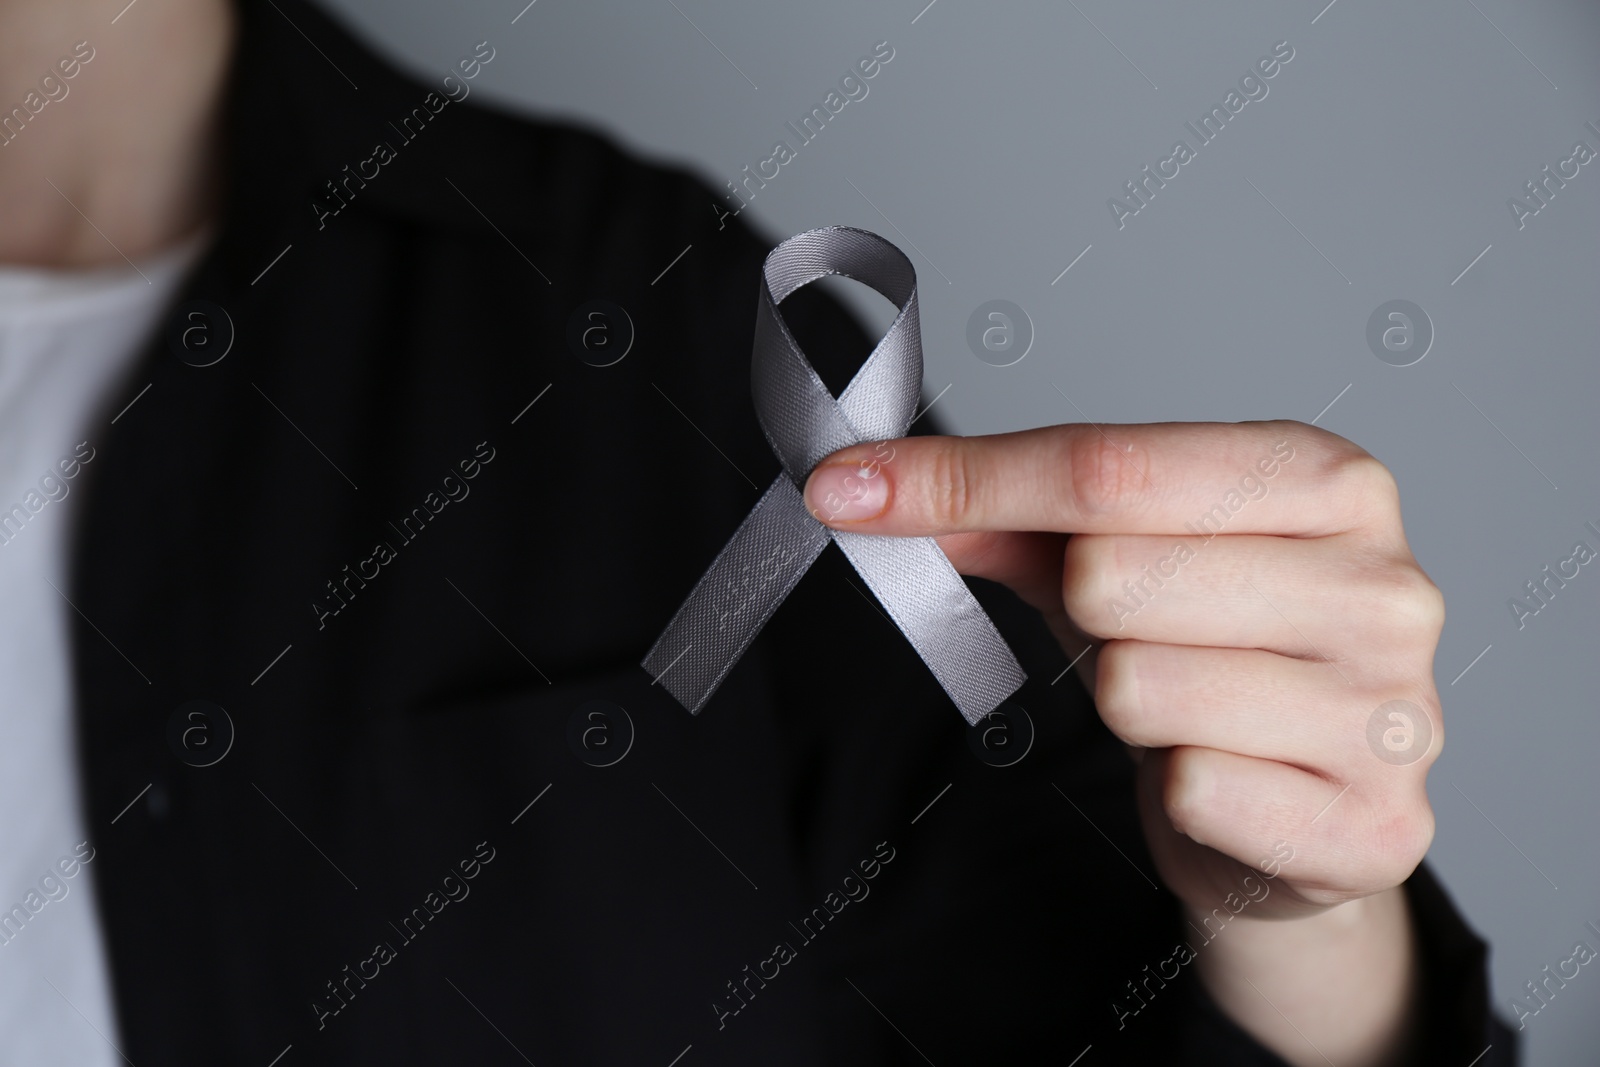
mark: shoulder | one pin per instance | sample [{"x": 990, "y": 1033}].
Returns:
[
  {"x": 315, "y": 110},
  {"x": 419, "y": 193}
]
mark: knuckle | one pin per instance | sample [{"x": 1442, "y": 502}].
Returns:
[
  {"x": 1104, "y": 476},
  {"x": 953, "y": 481},
  {"x": 1403, "y": 720},
  {"x": 1366, "y": 488},
  {"x": 1421, "y": 603},
  {"x": 1429, "y": 703},
  {"x": 1437, "y": 749},
  {"x": 1401, "y": 836},
  {"x": 1309, "y": 435},
  {"x": 1410, "y": 606}
]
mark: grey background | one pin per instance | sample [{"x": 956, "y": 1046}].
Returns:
[{"x": 987, "y": 149}]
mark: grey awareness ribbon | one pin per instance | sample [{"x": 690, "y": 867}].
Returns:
[{"x": 780, "y": 539}]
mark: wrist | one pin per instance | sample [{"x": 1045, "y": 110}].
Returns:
[{"x": 1338, "y": 983}]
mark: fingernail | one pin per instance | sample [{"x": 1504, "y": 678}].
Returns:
[{"x": 841, "y": 492}]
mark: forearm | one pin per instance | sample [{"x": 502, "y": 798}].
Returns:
[{"x": 1340, "y": 986}]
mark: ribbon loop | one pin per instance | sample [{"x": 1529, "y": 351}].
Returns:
[{"x": 780, "y": 539}]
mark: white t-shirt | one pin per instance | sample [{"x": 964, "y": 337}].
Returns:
[{"x": 67, "y": 342}]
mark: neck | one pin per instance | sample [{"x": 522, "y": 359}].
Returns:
[{"x": 109, "y": 133}]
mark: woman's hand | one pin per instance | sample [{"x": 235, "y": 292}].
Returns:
[{"x": 1261, "y": 636}]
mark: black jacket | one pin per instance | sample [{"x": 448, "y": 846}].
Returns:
[{"x": 407, "y": 588}]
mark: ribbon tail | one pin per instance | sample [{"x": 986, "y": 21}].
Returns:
[
  {"x": 761, "y": 563},
  {"x": 914, "y": 581}
]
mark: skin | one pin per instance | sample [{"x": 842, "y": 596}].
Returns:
[
  {"x": 133, "y": 144},
  {"x": 1246, "y": 724},
  {"x": 1243, "y": 685}
]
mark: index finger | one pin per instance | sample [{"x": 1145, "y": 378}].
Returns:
[{"x": 1202, "y": 478}]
